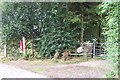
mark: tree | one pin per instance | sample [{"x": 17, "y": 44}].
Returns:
[
  {"x": 18, "y": 21},
  {"x": 89, "y": 22},
  {"x": 50, "y": 18},
  {"x": 55, "y": 34},
  {"x": 59, "y": 25}
]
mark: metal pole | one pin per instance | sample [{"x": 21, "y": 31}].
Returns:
[
  {"x": 94, "y": 49},
  {"x": 33, "y": 40}
]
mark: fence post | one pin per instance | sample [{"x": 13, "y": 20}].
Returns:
[
  {"x": 5, "y": 51},
  {"x": 85, "y": 54},
  {"x": 94, "y": 41}
]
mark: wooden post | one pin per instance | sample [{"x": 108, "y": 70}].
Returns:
[
  {"x": 24, "y": 45},
  {"x": 85, "y": 52},
  {"x": 33, "y": 43},
  {"x": 5, "y": 51},
  {"x": 85, "y": 56}
]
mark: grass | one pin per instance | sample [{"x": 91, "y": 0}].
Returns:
[
  {"x": 37, "y": 65},
  {"x": 39, "y": 69},
  {"x": 5, "y": 59},
  {"x": 73, "y": 60},
  {"x": 46, "y": 62},
  {"x": 1, "y": 54},
  {"x": 41, "y": 62}
]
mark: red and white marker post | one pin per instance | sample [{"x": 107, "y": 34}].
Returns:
[{"x": 22, "y": 45}]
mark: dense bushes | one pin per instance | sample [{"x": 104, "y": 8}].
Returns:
[
  {"x": 58, "y": 26},
  {"x": 52, "y": 31},
  {"x": 110, "y": 12}
]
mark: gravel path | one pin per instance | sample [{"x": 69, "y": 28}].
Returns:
[
  {"x": 7, "y": 71},
  {"x": 96, "y": 69}
]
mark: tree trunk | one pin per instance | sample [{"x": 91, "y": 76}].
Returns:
[
  {"x": 82, "y": 30},
  {"x": 33, "y": 43},
  {"x": 82, "y": 34},
  {"x": 100, "y": 29}
]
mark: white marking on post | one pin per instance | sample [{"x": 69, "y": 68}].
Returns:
[{"x": 23, "y": 44}]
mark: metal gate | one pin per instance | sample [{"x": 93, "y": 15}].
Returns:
[{"x": 99, "y": 49}]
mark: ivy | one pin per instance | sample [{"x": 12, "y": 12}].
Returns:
[{"x": 111, "y": 30}]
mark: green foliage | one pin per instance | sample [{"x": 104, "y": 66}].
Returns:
[
  {"x": 55, "y": 32},
  {"x": 110, "y": 11},
  {"x": 88, "y": 19},
  {"x": 58, "y": 25},
  {"x": 18, "y": 21},
  {"x": 52, "y": 32}
]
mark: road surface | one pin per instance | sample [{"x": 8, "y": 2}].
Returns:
[{"x": 7, "y": 71}]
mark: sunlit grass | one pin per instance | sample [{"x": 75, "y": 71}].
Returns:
[
  {"x": 5, "y": 59},
  {"x": 39, "y": 69},
  {"x": 1, "y": 54},
  {"x": 50, "y": 62}
]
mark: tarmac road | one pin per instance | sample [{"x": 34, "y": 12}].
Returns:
[{"x": 7, "y": 71}]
